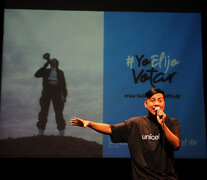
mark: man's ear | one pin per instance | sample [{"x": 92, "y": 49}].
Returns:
[{"x": 145, "y": 104}]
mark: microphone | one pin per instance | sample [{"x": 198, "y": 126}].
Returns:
[{"x": 157, "y": 108}]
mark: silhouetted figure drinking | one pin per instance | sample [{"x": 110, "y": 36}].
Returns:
[{"x": 54, "y": 88}]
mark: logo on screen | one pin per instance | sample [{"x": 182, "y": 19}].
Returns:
[{"x": 155, "y": 69}]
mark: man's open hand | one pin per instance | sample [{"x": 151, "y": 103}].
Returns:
[{"x": 79, "y": 122}]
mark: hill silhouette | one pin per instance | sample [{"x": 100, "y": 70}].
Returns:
[{"x": 50, "y": 146}]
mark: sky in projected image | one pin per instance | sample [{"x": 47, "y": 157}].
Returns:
[{"x": 76, "y": 39}]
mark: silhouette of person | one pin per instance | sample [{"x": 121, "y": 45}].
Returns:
[{"x": 54, "y": 88}]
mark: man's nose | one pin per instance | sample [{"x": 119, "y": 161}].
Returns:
[{"x": 156, "y": 102}]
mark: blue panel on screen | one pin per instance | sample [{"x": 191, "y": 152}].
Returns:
[{"x": 146, "y": 50}]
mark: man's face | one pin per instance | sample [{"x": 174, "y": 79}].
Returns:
[
  {"x": 157, "y": 100},
  {"x": 54, "y": 63}
]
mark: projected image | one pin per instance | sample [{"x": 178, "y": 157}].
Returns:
[
  {"x": 28, "y": 105},
  {"x": 97, "y": 66}
]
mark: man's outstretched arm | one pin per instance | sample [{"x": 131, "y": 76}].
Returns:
[{"x": 100, "y": 127}]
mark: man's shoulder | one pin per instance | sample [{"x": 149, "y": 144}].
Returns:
[
  {"x": 60, "y": 71},
  {"x": 170, "y": 121},
  {"x": 136, "y": 120}
]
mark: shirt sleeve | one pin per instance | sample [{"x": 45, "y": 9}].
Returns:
[
  {"x": 119, "y": 132},
  {"x": 40, "y": 72},
  {"x": 175, "y": 128}
]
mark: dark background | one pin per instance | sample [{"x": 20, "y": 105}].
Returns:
[{"x": 100, "y": 168}]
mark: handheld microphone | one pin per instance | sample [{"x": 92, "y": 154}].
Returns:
[{"x": 157, "y": 108}]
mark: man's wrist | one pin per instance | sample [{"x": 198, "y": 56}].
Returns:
[{"x": 163, "y": 125}]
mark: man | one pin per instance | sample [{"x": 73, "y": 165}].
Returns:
[
  {"x": 151, "y": 139},
  {"x": 54, "y": 88}
]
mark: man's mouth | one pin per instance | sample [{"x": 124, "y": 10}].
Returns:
[{"x": 155, "y": 109}]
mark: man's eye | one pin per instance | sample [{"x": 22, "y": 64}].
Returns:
[{"x": 160, "y": 100}]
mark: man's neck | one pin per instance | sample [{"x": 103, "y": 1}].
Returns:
[{"x": 152, "y": 117}]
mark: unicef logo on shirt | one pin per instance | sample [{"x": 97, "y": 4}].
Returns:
[{"x": 151, "y": 137}]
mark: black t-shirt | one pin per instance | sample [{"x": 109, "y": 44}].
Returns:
[{"x": 150, "y": 161}]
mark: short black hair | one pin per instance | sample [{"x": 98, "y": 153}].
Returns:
[{"x": 153, "y": 91}]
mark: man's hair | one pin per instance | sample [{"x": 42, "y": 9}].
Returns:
[
  {"x": 56, "y": 61},
  {"x": 153, "y": 91}
]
